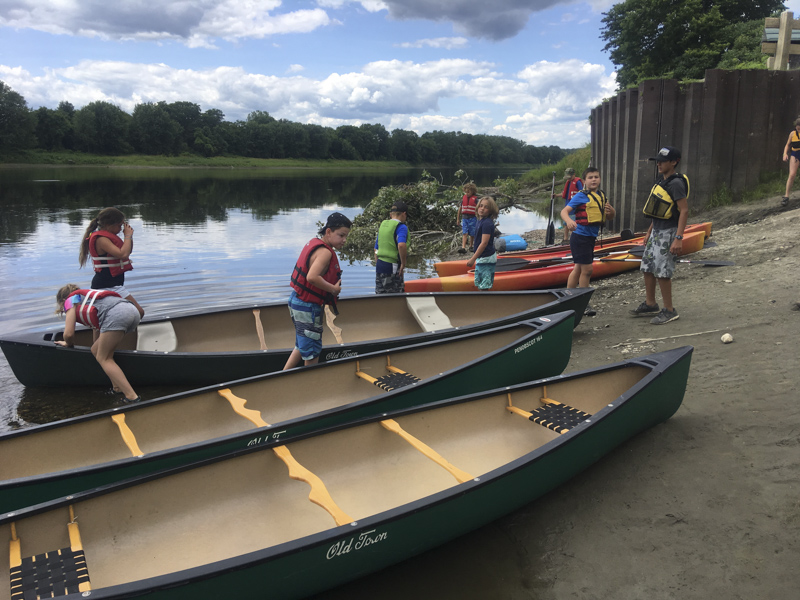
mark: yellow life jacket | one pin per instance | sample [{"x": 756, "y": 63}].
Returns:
[
  {"x": 594, "y": 211},
  {"x": 795, "y": 140},
  {"x": 660, "y": 204}
]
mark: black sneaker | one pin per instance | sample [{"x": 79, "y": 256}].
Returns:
[
  {"x": 589, "y": 311},
  {"x": 462, "y": 250},
  {"x": 785, "y": 201},
  {"x": 645, "y": 310},
  {"x": 665, "y": 316}
]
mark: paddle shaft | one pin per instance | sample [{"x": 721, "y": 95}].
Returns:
[
  {"x": 550, "y": 236},
  {"x": 707, "y": 263}
]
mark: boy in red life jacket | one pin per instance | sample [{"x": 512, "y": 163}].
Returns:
[
  {"x": 590, "y": 209},
  {"x": 572, "y": 186},
  {"x": 110, "y": 316},
  {"x": 316, "y": 281},
  {"x": 466, "y": 216}
]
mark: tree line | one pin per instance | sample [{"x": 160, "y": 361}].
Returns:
[{"x": 161, "y": 128}]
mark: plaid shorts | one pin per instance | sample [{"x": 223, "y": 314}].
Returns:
[
  {"x": 657, "y": 259},
  {"x": 307, "y": 319},
  {"x": 389, "y": 283}
]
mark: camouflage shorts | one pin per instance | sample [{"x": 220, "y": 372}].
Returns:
[
  {"x": 657, "y": 259},
  {"x": 389, "y": 283}
]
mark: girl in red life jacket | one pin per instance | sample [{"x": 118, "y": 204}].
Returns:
[
  {"x": 110, "y": 255},
  {"x": 110, "y": 316},
  {"x": 316, "y": 281}
]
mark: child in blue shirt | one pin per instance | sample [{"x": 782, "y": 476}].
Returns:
[{"x": 590, "y": 210}]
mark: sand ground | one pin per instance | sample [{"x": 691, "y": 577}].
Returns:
[{"x": 706, "y": 505}]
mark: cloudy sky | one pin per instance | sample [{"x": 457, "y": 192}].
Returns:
[{"x": 529, "y": 69}]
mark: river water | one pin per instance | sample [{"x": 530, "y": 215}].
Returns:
[{"x": 202, "y": 238}]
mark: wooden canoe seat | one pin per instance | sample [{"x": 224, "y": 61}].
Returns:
[
  {"x": 396, "y": 379},
  {"x": 553, "y": 415},
  {"x": 319, "y": 494},
  {"x": 427, "y": 313},
  {"x": 259, "y": 329},
  {"x": 156, "y": 337},
  {"x": 50, "y": 574},
  {"x": 394, "y": 427}
]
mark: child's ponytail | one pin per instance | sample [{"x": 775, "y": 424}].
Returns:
[{"x": 83, "y": 255}]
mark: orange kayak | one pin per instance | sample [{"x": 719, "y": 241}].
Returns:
[
  {"x": 550, "y": 276},
  {"x": 459, "y": 267}
]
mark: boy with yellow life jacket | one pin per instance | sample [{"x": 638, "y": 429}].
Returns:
[
  {"x": 668, "y": 207},
  {"x": 590, "y": 209}
]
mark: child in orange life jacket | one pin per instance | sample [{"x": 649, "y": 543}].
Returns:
[
  {"x": 466, "y": 216},
  {"x": 110, "y": 316},
  {"x": 590, "y": 209},
  {"x": 316, "y": 281},
  {"x": 110, "y": 255}
]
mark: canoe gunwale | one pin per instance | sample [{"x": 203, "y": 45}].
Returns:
[
  {"x": 537, "y": 325},
  {"x": 255, "y": 558}
]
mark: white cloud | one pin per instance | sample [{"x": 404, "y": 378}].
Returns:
[
  {"x": 193, "y": 22},
  {"x": 296, "y": 68},
  {"x": 447, "y": 43},
  {"x": 543, "y": 103}
]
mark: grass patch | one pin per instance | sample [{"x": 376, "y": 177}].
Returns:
[
  {"x": 578, "y": 160},
  {"x": 40, "y": 157}
]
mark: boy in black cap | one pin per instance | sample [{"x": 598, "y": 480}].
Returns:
[
  {"x": 668, "y": 207},
  {"x": 391, "y": 251}
]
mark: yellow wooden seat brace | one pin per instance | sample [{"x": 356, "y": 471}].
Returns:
[
  {"x": 394, "y": 426},
  {"x": 259, "y": 329},
  {"x": 553, "y": 415},
  {"x": 396, "y": 379},
  {"x": 524, "y": 413},
  {"x": 319, "y": 494},
  {"x": 127, "y": 434}
]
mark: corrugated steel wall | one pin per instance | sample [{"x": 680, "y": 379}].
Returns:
[{"x": 731, "y": 128}]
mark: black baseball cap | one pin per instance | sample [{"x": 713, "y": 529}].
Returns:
[
  {"x": 666, "y": 154},
  {"x": 335, "y": 221},
  {"x": 399, "y": 207}
]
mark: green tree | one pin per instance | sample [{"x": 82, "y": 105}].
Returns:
[
  {"x": 675, "y": 38},
  {"x": 154, "y": 131},
  {"x": 16, "y": 122},
  {"x": 188, "y": 116},
  {"x": 102, "y": 128},
  {"x": 52, "y": 128}
]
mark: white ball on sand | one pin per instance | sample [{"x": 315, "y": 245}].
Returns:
[{"x": 727, "y": 338}]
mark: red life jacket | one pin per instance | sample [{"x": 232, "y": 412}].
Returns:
[
  {"x": 116, "y": 266},
  {"x": 571, "y": 188},
  {"x": 86, "y": 311},
  {"x": 305, "y": 290},
  {"x": 468, "y": 205}
]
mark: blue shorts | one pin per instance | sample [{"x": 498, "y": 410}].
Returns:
[
  {"x": 307, "y": 319},
  {"x": 582, "y": 248},
  {"x": 795, "y": 153},
  {"x": 468, "y": 226}
]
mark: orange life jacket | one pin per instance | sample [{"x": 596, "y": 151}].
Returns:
[
  {"x": 468, "y": 206},
  {"x": 305, "y": 290},
  {"x": 116, "y": 266},
  {"x": 571, "y": 188}
]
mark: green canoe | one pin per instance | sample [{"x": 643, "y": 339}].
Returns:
[
  {"x": 50, "y": 461},
  {"x": 382, "y": 489}
]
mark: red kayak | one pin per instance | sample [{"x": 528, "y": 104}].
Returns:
[
  {"x": 459, "y": 267},
  {"x": 548, "y": 276}
]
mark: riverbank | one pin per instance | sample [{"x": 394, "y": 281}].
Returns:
[{"x": 705, "y": 505}]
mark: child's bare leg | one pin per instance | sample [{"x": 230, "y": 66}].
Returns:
[
  {"x": 665, "y": 285},
  {"x": 103, "y": 350},
  {"x": 585, "y": 275},
  {"x": 574, "y": 277},
  {"x": 650, "y": 289}
]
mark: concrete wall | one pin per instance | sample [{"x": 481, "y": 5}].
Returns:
[{"x": 730, "y": 128}]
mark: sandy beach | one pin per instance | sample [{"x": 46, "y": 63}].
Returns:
[{"x": 706, "y": 505}]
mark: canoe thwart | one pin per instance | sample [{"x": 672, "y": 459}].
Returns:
[
  {"x": 428, "y": 314},
  {"x": 237, "y": 404},
  {"x": 127, "y": 435},
  {"x": 260, "y": 329},
  {"x": 319, "y": 494},
  {"x": 330, "y": 317},
  {"x": 394, "y": 427},
  {"x": 156, "y": 337},
  {"x": 50, "y": 574}
]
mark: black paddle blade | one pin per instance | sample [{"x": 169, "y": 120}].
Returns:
[
  {"x": 626, "y": 234},
  {"x": 550, "y": 237}
]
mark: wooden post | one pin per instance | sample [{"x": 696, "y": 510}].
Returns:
[{"x": 784, "y": 41}]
